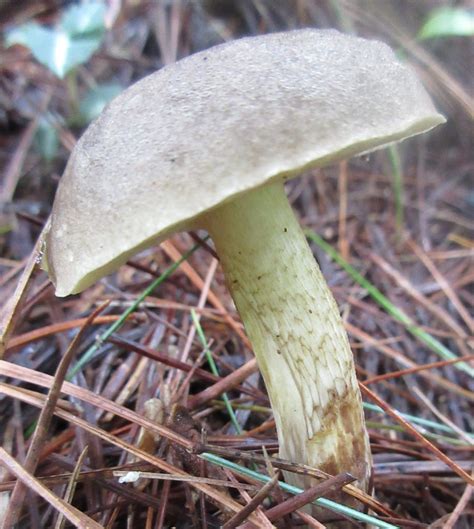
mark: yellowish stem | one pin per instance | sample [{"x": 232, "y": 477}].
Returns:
[{"x": 296, "y": 331}]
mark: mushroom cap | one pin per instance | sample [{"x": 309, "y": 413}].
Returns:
[{"x": 217, "y": 124}]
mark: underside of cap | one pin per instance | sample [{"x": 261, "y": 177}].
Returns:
[{"x": 217, "y": 124}]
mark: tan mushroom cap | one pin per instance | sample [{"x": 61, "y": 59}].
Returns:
[{"x": 217, "y": 124}]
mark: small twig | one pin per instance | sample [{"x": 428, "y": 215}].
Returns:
[
  {"x": 195, "y": 237},
  {"x": 13, "y": 169},
  {"x": 225, "y": 384},
  {"x": 165, "y": 493},
  {"x": 294, "y": 503},
  {"x": 130, "y": 476},
  {"x": 442, "y": 315},
  {"x": 310, "y": 521},
  {"x": 253, "y": 504}
]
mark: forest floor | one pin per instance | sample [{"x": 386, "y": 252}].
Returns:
[{"x": 395, "y": 243}]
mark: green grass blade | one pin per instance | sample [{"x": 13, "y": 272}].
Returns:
[
  {"x": 417, "y": 420},
  {"x": 323, "y": 502},
  {"x": 214, "y": 370},
  {"x": 373, "y": 425},
  {"x": 397, "y": 185},
  {"x": 117, "y": 324},
  {"x": 448, "y": 22}
]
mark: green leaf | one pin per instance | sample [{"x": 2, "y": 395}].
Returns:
[
  {"x": 84, "y": 19},
  {"x": 54, "y": 48},
  {"x": 65, "y": 47},
  {"x": 448, "y": 22},
  {"x": 95, "y": 100},
  {"x": 47, "y": 139},
  {"x": 38, "y": 39}
]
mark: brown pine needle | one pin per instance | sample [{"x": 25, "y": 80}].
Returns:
[
  {"x": 10, "y": 311},
  {"x": 39, "y": 400},
  {"x": 71, "y": 487},
  {"x": 415, "y": 433},
  {"x": 198, "y": 282},
  {"x": 298, "y": 501},
  {"x": 76, "y": 517},
  {"x": 441, "y": 314},
  {"x": 41, "y": 379},
  {"x": 255, "y": 502},
  {"x": 403, "y": 360},
  {"x": 50, "y": 330},
  {"x": 461, "y": 505},
  {"x": 422, "y": 367},
  {"x": 44, "y": 422},
  {"x": 444, "y": 284}
]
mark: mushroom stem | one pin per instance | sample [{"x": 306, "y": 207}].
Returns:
[{"x": 296, "y": 331}]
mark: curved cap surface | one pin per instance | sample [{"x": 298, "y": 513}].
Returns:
[{"x": 217, "y": 124}]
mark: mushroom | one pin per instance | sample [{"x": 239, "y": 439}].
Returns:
[{"x": 207, "y": 143}]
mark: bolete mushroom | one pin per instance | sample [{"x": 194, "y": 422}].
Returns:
[{"x": 207, "y": 143}]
